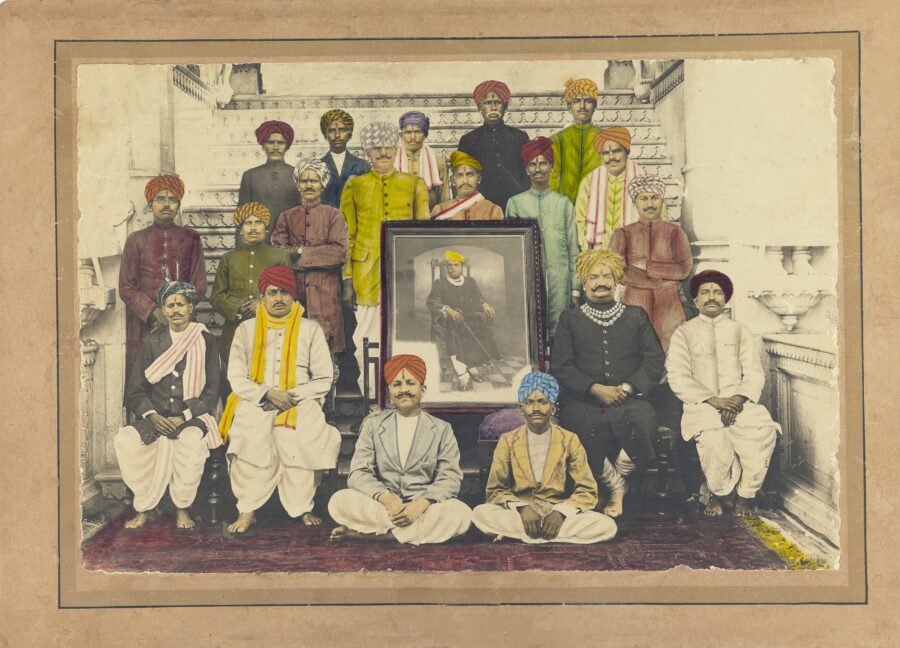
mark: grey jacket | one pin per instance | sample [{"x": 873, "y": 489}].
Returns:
[{"x": 432, "y": 469}]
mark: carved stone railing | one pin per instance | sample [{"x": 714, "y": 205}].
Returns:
[
  {"x": 189, "y": 82},
  {"x": 669, "y": 79}
]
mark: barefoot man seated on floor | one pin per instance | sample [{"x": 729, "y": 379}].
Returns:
[
  {"x": 173, "y": 389},
  {"x": 714, "y": 368},
  {"x": 405, "y": 474},
  {"x": 527, "y": 497},
  {"x": 280, "y": 371}
]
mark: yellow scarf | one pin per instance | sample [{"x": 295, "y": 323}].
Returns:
[{"x": 287, "y": 377}]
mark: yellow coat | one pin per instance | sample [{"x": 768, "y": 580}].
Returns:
[
  {"x": 366, "y": 201},
  {"x": 511, "y": 479}
]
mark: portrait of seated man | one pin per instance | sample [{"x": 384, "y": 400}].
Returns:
[
  {"x": 461, "y": 323},
  {"x": 405, "y": 473},
  {"x": 172, "y": 391},
  {"x": 528, "y": 497}
]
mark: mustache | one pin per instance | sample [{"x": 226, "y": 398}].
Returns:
[
  {"x": 405, "y": 394},
  {"x": 711, "y": 301}
]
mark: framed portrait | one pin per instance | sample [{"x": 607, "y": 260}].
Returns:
[{"x": 467, "y": 298}]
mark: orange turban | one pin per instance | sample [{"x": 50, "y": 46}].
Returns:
[
  {"x": 617, "y": 134},
  {"x": 280, "y": 276},
  {"x": 164, "y": 183},
  {"x": 538, "y": 146},
  {"x": 491, "y": 86},
  {"x": 249, "y": 209},
  {"x": 412, "y": 363},
  {"x": 267, "y": 128},
  {"x": 575, "y": 87}
]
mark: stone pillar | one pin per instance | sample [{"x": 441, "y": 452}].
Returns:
[{"x": 89, "y": 489}]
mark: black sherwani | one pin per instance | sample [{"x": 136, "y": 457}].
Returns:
[
  {"x": 271, "y": 184},
  {"x": 353, "y": 166},
  {"x": 497, "y": 149},
  {"x": 585, "y": 353},
  {"x": 167, "y": 396},
  {"x": 469, "y": 339}
]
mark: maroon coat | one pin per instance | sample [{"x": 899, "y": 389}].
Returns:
[
  {"x": 151, "y": 256},
  {"x": 322, "y": 233}
]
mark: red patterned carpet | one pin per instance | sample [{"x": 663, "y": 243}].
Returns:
[{"x": 644, "y": 542}]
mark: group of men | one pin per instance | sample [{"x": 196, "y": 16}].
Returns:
[{"x": 308, "y": 237}]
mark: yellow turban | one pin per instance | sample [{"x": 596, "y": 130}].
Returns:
[
  {"x": 458, "y": 158},
  {"x": 249, "y": 209},
  {"x": 454, "y": 257},
  {"x": 589, "y": 258},
  {"x": 575, "y": 87}
]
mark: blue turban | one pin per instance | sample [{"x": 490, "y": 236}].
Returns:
[
  {"x": 540, "y": 381},
  {"x": 415, "y": 118},
  {"x": 170, "y": 288}
]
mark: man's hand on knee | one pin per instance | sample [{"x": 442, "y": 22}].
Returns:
[
  {"x": 531, "y": 520},
  {"x": 280, "y": 398},
  {"x": 551, "y": 525},
  {"x": 411, "y": 512}
]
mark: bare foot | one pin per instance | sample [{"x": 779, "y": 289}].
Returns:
[
  {"x": 137, "y": 521},
  {"x": 743, "y": 507},
  {"x": 183, "y": 519},
  {"x": 714, "y": 508},
  {"x": 341, "y": 532},
  {"x": 244, "y": 522},
  {"x": 614, "y": 508},
  {"x": 310, "y": 519},
  {"x": 498, "y": 539}
]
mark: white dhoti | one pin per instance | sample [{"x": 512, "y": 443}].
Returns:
[
  {"x": 736, "y": 456},
  {"x": 368, "y": 325},
  {"x": 440, "y": 522},
  {"x": 586, "y": 527},
  {"x": 176, "y": 464}
]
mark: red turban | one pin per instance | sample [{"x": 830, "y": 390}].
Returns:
[
  {"x": 712, "y": 276},
  {"x": 278, "y": 276},
  {"x": 491, "y": 86},
  {"x": 164, "y": 183},
  {"x": 412, "y": 363},
  {"x": 617, "y": 134},
  {"x": 538, "y": 146},
  {"x": 267, "y": 128}
]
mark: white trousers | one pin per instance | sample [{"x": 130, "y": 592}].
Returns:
[
  {"x": 736, "y": 456},
  {"x": 176, "y": 464},
  {"x": 368, "y": 324},
  {"x": 253, "y": 486},
  {"x": 586, "y": 527},
  {"x": 440, "y": 522}
]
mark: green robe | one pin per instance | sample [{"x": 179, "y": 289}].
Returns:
[
  {"x": 559, "y": 245},
  {"x": 237, "y": 280},
  {"x": 573, "y": 158}
]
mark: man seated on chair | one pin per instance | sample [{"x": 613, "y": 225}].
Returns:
[
  {"x": 607, "y": 358},
  {"x": 280, "y": 371},
  {"x": 405, "y": 474},
  {"x": 461, "y": 319},
  {"x": 173, "y": 389},
  {"x": 714, "y": 368},
  {"x": 527, "y": 497}
]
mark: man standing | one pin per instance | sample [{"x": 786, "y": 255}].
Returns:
[
  {"x": 159, "y": 253},
  {"x": 657, "y": 257},
  {"x": 172, "y": 392},
  {"x": 556, "y": 218},
  {"x": 271, "y": 183},
  {"x": 382, "y": 194},
  {"x": 573, "y": 147},
  {"x": 496, "y": 145},
  {"x": 469, "y": 204},
  {"x": 714, "y": 368},
  {"x": 337, "y": 129},
  {"x": 416, "y": 157},
  {"x": 527, "y": 496},
  {"x": 280, "y": 371},
  {"x": 607, "y": 358},
  {"x": 405, "y": 474}
]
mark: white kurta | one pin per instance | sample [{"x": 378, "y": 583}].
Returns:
[
  {"x": 368, "y": 324},
  {"x": 263, "y": 457}
]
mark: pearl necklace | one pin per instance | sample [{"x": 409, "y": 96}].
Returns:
[{"x": 604, "y": 318}]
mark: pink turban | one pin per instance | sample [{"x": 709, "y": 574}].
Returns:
[
  {"x": 280, "y": 276},
  {"x": 649, "y": 183},
  {"x": 267, "y": 128},
  {"x": 164, "y": 183},
  {"x": 538, "y": 146},
  {"x": 491, "y": 86}
]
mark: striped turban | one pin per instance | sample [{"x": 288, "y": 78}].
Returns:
[
  {"x": 412, "y": 363},
  {"x": 617, "y": 134},
  {"x": 458, "y": 158},
  {"x": 538, "y": 146},
  {"x": 267, "y": 128},
  {"x": 712, "y": 276},
  {"x": 415, "y": 118},
  {"x": 245, "y": 211},
  {"x": 312, "y": 164},
  {"x": 454, "y": 257},
  {"x": 649, "y": 183},
  {"x": 335, "y": 115},
  {"x": 484, "y": 87},
  {"x": 170, "y": 288},
  {"x": 539, "y": 381},
  {"x": 280, "y": 276},
  {"x": 575, "y": 87},
  {"x": 586, "y": 261},
  {"x": 164, "y": 183},
  {"x": 379, "y": 134}
]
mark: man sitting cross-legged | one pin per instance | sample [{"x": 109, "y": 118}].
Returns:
[
  {"x": 280, "y": 371},
  {"x": 405, "y": 474},
  {"x": 526, "y": 489}
]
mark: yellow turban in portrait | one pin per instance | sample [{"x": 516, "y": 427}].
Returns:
[{"x": 454, "y": 257}]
